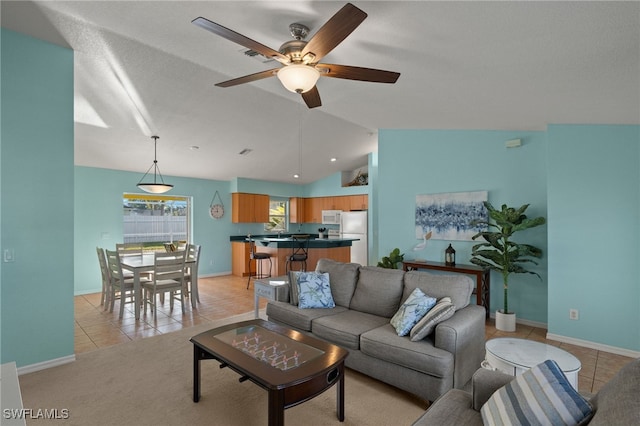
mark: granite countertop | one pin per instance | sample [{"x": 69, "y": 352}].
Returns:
[{"x": 285, "y": 240}]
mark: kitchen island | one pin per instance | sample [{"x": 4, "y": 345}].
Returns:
[{"x": 338, "y": 249}]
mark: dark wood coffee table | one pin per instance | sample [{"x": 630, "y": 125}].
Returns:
[{"x": 292, "y": 367}]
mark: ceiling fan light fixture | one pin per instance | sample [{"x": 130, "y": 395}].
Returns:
[
  {"x": 298, "y": 78},
  {"x": 154, "y": 187}
]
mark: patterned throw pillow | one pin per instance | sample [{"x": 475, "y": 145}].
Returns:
[
  {"x": 411, "y": 311},
  {"x": 541, "y": 395},
  {"x": 314, "y": 291},
  {"x": 443, "y": 310}
]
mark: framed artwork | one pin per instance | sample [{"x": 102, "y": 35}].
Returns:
[{"x": 448, "y": 216}]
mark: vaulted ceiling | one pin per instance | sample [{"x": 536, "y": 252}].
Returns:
[{"x": 142, "y": 69}]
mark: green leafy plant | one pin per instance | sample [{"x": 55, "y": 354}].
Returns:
[
  {"x": 391, "y": 261},
  {"x": 499, "y": 252}
]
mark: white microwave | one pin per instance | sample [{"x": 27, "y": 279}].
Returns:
[{"x": 331, "y": 217}]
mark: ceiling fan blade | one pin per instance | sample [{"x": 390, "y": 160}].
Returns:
[
  {"x": 312, "y": 98},
  {"x": 357, "y": 73},
  {"x": 240, "y": 39},
  {"x": 334, "y": 31},
  {"x": 249, "y": 78}
]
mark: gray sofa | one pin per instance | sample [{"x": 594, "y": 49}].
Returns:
[
  {"x": 366, "y": 298},
  {"x": 617, "y": 402}
]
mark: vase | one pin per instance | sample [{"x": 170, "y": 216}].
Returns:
[{"x": 505, "y": 322}]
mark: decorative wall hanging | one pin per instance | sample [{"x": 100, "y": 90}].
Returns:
[
  {"x": 448, "y": 216},
  {"x": 216, "y": 210}
]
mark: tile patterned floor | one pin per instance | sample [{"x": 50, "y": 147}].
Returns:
[{"x": 225, "y": 296}]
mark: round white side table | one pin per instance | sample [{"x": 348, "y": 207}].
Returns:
[{"x": 514, "y": 356}]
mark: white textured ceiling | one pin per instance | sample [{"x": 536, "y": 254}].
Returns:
[{"x": 142, "y": 68}]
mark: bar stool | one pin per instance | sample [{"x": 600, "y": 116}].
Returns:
[
  {"x": 258, "y": 258},
  {"x": 299, "y": 252}
]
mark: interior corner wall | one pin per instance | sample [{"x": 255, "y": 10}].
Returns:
[
  {"x": 417, "y": 162},
  {"x": 37, "y": 200},
  {"x": 594, "y": 228}
]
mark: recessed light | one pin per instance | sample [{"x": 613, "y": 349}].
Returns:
[
  {"x": 296, "y": 176},
  {"x": 334, "y": 159}
]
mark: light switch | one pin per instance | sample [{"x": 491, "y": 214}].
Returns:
[{"x": 9, "y": 255}]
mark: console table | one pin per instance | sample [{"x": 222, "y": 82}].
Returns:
[{"x": 483, "y": 277}]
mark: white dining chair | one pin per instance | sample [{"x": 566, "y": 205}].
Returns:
[
  {"x": 104, "y": 272},
  {"x": 120, "y": 286},
  {"x": 191, "y": 277},
  {"x": 168, "y": 277}
]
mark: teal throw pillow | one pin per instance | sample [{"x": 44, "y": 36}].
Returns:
[
  {"x": 314, "y": 291},
  {"x": 541, "y": 395},
  {"x": 411, "y": 311}
]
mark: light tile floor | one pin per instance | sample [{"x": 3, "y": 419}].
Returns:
[{"x": 221, "y": 297}]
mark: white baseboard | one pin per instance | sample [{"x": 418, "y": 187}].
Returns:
[
  {"x": 46, "y": 364},
  {"x": 217, "y": 274},
  {"x": 593, "y": 345}
]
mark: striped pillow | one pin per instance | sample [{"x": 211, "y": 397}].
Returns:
[{"x": 539, "y": 396}]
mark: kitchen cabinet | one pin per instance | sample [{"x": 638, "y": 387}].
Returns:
[
  {"x": 313, "y": 210},
  {"x": 358, "y": 202},
  {"x": 249, "y": 208},
  {"x": 239, "y": 258},
  {"x": 296, "y": 210}
]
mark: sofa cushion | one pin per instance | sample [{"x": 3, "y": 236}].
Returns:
[
  {"x": 286, "y": 313},
  {"x": 378, "y": 291},
  {"x": 541, "y": 395},
  {"x": 411, "y": 311},
  {"x": 457, "y": 287},
  {"x": 384, "y": 343},
  {"x": 617, "y": 402},
  {"x": 443, "y": 310},
  {"x": 343, "y": 277},
  {"x": 314, "y": 291},
  {"x": 344, "y": 329}
]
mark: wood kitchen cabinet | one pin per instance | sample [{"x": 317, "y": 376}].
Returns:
[
  {"x": 313, "y": 210},
  {"x": 296, "y": 210},
  {"x": 249, "y": 208},
  {"x": 358, "y": 202}
]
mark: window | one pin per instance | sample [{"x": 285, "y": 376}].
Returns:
[
  {"x": 155, "y": 219},
  {"x": 277, "y": 216}
]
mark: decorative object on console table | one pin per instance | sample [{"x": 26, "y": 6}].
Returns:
[
  {"x": 450, "y": 256},
  {"x": 501, "y": 254}
]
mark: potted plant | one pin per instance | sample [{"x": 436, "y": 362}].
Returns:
[
  {"x": 391, "y": 261},
  {"x": 503, "y": 255}
]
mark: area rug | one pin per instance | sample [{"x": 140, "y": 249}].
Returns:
[{"x": 150, "y": 382}]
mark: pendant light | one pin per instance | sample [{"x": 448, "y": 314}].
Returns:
[{"x": 154, "y": 187}]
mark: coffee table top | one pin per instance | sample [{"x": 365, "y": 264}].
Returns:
[
  {"x": 528, "y": 353},
  {"x": 269, "y": 354}
]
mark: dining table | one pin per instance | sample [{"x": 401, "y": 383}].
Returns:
[{"x": 140, "y": 264}]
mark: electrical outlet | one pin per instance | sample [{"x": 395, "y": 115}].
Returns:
[{"x": 574, "y": 314}]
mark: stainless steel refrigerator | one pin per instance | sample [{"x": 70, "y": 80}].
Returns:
[{"x": 354, "y": 225}]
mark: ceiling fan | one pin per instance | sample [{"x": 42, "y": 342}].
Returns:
[{"x": 300, "y": 59}]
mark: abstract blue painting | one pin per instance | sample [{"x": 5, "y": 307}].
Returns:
[{"x": 448, "y": 216}]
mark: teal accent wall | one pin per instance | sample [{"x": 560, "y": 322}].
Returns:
[
  {"x": 37, "y": 200},
  {"x": 98, "y": 220},
  {"x": 417, "y": 162},
  {"x": 594, "y": 229}
]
